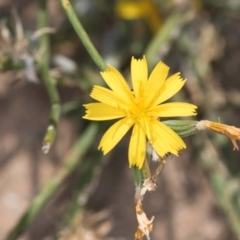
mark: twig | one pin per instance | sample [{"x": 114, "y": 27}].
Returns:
[{"x": 162, "y": 163}]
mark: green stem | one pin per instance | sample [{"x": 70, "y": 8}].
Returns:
[
  {"x": 83, "y": 35},
  {"x": 71, "y": 161},
  {"x": 164, "y": 35},
  {"x": 85, "y": 175},
  {"x": 48, "y": 83}
]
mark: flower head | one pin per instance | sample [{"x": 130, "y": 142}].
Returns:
[
  {"x": 144, "y": 9},
  {"x": 230, "y": 131},
  {"x": 139, "y": 108}
]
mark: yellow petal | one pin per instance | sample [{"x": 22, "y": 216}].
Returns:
[
  {"x": 170, "y": 87},
  {"x": 164, "y": 139},
  {"x": 139, "y": 74},
  {"x": 102, "y": 111},
  {"x": 137, "y": 146},
  {"x": 155, "y": 82},
  {"x": 114, "y": 134},
  {"x": 117, "y": 83},
  {"x": 174, "y": 109},
  {"x": 108, "y": 97}
]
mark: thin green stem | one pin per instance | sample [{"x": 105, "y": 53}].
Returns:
[
  {"x": 71, "y": 161},
  {"x": 164, "y": 34},
  {"x": 48, "y": 83},
  {"x": 85, "y": 175},
  {"x": 83, "y": 35}
]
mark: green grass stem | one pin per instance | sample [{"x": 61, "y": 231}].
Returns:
[
  {"x": 83, "y": 35},
  {"x": 48, "y": 83},
  {"x": 72, "y": 160}
]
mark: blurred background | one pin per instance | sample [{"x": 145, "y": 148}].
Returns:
[{"x": 74, "y": 192}]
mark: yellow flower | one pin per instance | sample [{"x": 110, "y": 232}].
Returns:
[
  {"x": 140, "y": 9},
  {"x": 230, "y": 131},
  {"x": 139, "y": 109}
]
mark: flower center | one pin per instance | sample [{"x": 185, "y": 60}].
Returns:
[{"x": 138, "y": 111}]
